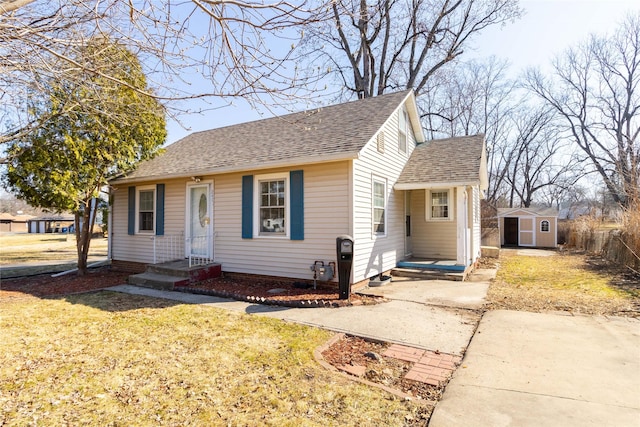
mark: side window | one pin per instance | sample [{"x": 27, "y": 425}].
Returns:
[
  {"x": 439, "y": 208},
  {"x": 379, "y": 206},
  {"x": 146, "y": 210},
  {"x": 544, "y": 226}
]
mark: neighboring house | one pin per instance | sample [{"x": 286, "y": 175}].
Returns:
[
  {"x": 576, "y": 211},
  {"x": 529, "y": 227},
  {"x": 14, "y": 223},
  {"x": 270, "y": 197},
  {"x": 51, "y": 224}
]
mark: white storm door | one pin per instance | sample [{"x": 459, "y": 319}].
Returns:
[{"x": 199, "y": 221}]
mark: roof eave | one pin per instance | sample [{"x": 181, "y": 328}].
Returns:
[
  {"x": 299, "y": 161},
  {"x": 418, "y": 132},
  {"x": 430, "y": 185}
]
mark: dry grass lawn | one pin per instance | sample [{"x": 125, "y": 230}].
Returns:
[
  {"x": 564, "y": 282},
  {"x": 35, "y": 247},
  {"x": 112, "y": 359}
]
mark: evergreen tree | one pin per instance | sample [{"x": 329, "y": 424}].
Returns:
[{"x": 98, "y": 123}]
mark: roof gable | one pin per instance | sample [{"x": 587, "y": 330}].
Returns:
[
  {"x": 549, "y": 212},
  {"x": 337, "y": 132},
  {"x": 445, "y": 162}
]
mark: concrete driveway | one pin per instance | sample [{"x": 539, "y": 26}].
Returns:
[{"x": 533, "y": 369}]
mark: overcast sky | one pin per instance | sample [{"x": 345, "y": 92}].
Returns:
[{"x": 547, "y": 28}]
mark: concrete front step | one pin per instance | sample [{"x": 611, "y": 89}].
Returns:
[
  {"x": 173, "y": 274},
  {"x": 158, "y": 281},
  {"x": 424, "y": 274}
]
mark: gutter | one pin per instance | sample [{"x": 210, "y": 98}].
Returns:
[
  {"x": 429, "y": 185},
  {"x": 298, "y": 161}
]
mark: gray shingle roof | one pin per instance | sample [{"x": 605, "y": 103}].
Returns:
[
  {"x": 451, "y": 160},
  {"x": 327, "y": 133}
]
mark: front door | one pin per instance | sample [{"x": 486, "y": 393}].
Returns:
[{"x": 199, "y": 221}]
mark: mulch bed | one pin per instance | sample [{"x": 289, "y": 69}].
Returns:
[
  {"x": 282, "y": 293},
  {"x": 43, "y": 285}
]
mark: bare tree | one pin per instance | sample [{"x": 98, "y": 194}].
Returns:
[
  {"x": 239, "y": 48},
  {"x": 525, "y": 154},
  {"x": 380, "y": 45},
  {"x": 595, "y": 87},
  {"x": 537, "y": 157},
  {"x": 475, "y": 97}
]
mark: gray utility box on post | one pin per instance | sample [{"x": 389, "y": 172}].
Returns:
[{"x": 344, "y": 249}]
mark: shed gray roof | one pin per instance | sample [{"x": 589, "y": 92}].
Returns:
[
  {"x": 459, "y": 160},
  {"x": 329, "y": 133}
]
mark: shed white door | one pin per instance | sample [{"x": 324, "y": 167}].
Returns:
[
  {"x": 527, "y": 231},
  {"x": 199, "y": 221}
]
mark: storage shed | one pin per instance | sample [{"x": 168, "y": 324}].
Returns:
[{"x": 534, "y": 227}]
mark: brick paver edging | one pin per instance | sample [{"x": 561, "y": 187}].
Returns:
[
  {"x": 431, "y": 367},
  {"x": 317, "y": 354}
]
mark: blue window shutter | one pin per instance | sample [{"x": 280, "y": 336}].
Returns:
[
  {"x": 296, "y": 199},
  {"x": 131, "y": 216},
  {"x": 160, "y": 210},
  {"x": 247, "y": 207}
]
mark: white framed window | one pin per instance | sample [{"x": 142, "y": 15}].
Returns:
[
  {"x": 439, "y": 206},
  {"x": 403, "y": 121},
  {"x": 272, "y": 205},
  {"x": 146, "y": 209},
  {"x": 544, "y": 226},
  {"x": 379, "y": 206}
]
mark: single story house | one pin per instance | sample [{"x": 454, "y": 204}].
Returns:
[
  {"x": 270, "y": 197},
  {"x": 51, "y": 224},
  {"x": 536, "y": 227},
  {"x": 14, "y": 223}
]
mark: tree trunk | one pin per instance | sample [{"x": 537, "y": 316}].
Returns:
[{"x": 83, "y": 236}]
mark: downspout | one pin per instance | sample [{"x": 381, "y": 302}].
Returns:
[
  {"x": 461, "y": 219},
  {"x": 109, "y": 224}
]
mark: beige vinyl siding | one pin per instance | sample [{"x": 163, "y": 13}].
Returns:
[
  {"x": 139, "y": 247},
  {"x": 326, "y": 216},
  {"x": 546, "y": 239},
  {"x": 374, "y": 254},
  {"x": 326, "y": 210},
  {"x": 432, "y": 239}
]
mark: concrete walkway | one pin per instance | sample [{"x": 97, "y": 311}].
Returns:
[
  {"x": 532, "y": 369},
  {"x": 427, "y": 314}
]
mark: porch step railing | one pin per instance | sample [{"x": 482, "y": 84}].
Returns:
[
  {"x": 169, "y": 247},
  {"x": 200, "y": 249}
]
